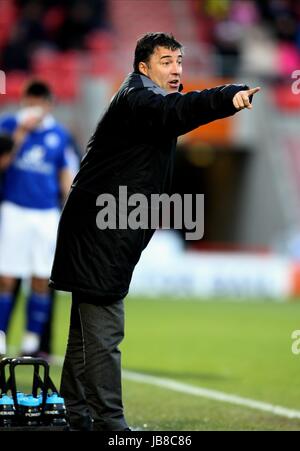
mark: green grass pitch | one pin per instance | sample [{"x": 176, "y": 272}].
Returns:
[{"x": 240, "y": 348}]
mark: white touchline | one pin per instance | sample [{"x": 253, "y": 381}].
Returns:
[
  {"x": 210, "y": 394},
  {"x": 170, "y": 384}
]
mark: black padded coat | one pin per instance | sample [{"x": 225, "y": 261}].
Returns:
[{"x": 133, "y": 146}]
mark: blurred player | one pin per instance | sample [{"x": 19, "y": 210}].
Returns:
[
  {"x": 6, "y": 149},
  {"x": 33, "y": 184}
]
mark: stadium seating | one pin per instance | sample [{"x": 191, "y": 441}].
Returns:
[
  {"x": 15, "y": 81},
  {"x": 8, "y": 15},
  {"x": 61, "y": 70}
]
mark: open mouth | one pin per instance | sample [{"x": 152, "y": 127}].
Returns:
[{"x": 174, "y": 84}]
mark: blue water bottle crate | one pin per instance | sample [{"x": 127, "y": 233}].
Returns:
[{"x": 42, "y": 409}]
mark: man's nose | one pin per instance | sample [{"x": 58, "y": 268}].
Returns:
[{"x": 176, "y": 69}]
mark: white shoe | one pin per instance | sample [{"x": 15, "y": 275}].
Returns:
[{"x": 2, "y": 343}]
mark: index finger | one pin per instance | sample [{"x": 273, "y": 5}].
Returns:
[{"x": 253, "y": 91}]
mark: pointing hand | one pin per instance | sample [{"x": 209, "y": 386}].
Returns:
[{"x": 241, "y": 98}]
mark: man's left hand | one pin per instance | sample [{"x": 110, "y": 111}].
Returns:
[{"x": 241, "y": 99}]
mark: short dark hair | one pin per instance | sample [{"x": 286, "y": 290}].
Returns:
[
  {"x": 38, "y": 88},
  {"x": 6, "y": 144},
  {"x": 146, "y": 45}
]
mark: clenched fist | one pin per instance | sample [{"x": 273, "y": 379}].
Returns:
[{"x": 241, "y": 98}]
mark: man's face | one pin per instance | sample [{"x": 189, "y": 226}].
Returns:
[{"x": 164, "y": 68}]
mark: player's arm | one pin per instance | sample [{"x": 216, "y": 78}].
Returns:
[
  {"x": 17, "y": 138},
  {"x": 27, "y": 124},
  {"x": 11, "y": 137}
]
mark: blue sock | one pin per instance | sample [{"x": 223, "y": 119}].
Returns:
[
  {"x": 38, "y": 310},
  {"x": 6, "y": 304}
]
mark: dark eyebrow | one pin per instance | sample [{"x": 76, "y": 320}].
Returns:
[{"x": 170, "y": 56}]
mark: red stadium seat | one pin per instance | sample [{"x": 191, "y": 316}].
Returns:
[
  {"x": 99, "y": 63},
  {"x": 8, "y": 14},
  {"x": 65, "y": 87},
  {"x": 99, "y": 41},
  {"x": 45, "y": 60},
  {"x": 60, "y": 70}
]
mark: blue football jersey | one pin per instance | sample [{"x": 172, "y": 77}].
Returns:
[{"x": 32, "y": 179}]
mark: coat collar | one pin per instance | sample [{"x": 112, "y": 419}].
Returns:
[{"x": 135, "y": 79}]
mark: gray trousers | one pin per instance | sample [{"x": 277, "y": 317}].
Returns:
[{"x": 91, "y": 376}]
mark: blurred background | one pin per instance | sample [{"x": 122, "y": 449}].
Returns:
[{"x": 247, "y": 166}]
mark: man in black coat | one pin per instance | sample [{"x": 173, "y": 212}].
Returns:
[{"x": 133, "y": 147}]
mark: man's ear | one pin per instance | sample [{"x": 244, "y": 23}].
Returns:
[{"x": 143, "y": 68}]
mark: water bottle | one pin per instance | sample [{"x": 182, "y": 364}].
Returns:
[
  {"x": 55, "y": 411},
  {"x": 30, "y": 411},
  {"x": 7, "y": 411}
]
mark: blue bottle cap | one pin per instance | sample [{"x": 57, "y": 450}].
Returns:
[
  {"x": 20, "y": 395},
  {"x": 29, "y": 401},
  {"x": 6, "y": 400},
  {"x": 55, "y": 399}
]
